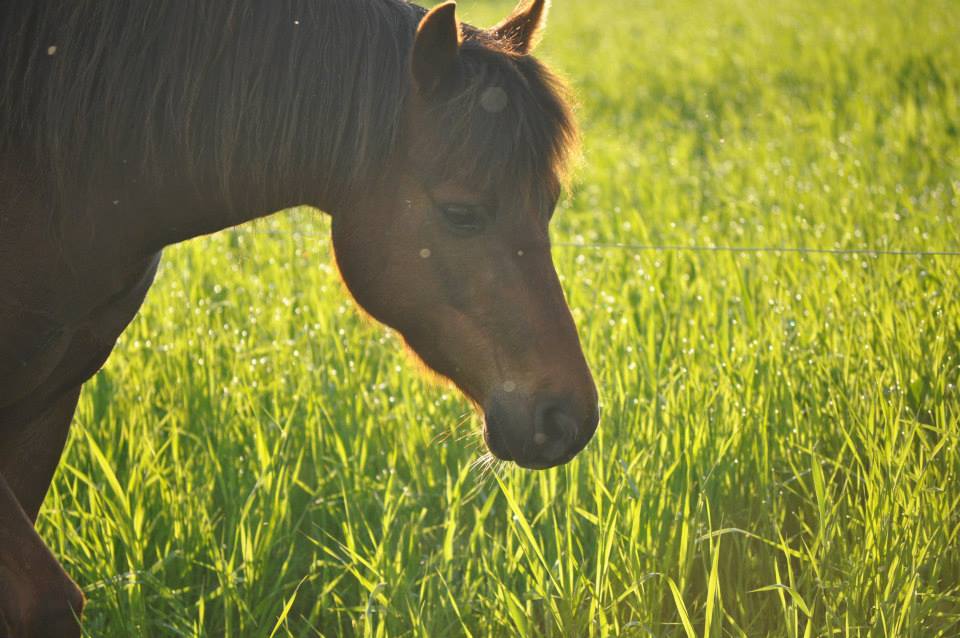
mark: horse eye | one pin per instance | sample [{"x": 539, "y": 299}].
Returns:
[{"x": 465, "y": 219}]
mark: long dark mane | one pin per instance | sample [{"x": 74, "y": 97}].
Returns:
[{"x": 313, "y": 89}]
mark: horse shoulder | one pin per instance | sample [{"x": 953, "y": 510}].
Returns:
[{"x": 57, "y": 329}]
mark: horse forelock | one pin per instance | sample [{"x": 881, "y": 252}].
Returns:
[{"x": 508, "y": 124}]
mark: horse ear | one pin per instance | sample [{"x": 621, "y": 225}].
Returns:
[
  {"x": 436, "y": 50},
  {"x": 522, "y": 28}
]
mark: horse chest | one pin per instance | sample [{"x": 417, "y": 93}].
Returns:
[{"x": 43, "y": 351}]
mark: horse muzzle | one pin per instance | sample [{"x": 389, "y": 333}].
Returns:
[{"x": 537, "y": 432}]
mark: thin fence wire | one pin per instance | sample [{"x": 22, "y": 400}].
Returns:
[
  {"x": 697, "y": 248},
  {"x": 758, "y": 249}
]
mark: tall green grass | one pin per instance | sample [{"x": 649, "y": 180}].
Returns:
[{"x": 778, "y": 454}]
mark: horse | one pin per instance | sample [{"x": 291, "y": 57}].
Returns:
[{"x": 439, "y": 150}]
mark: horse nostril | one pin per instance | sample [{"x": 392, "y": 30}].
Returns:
[
  {"x": 554, "y": 431},
  {"x": 536, "y": 434}
]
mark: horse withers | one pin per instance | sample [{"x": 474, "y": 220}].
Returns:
[{"x": 439, "y": 150}]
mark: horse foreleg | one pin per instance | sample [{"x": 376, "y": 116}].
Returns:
[
  {"x": 37, "y": 597},
  {"x": 30, "y": 449}
]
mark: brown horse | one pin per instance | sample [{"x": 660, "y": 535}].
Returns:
[{"x": 438, "y": 148}]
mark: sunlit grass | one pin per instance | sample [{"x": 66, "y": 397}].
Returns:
[{"x": 779, "y": 448}]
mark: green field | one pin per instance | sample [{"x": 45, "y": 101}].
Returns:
[{"x": 779, "y": 452}]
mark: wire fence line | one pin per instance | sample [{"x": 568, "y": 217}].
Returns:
[
  {"x": 697, "y": 248},
  {"x": 758, "y": 249}
]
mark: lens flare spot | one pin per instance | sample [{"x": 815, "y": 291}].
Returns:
[{"x": 493, "y": 99}]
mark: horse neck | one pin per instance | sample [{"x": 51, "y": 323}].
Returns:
[{"x": 135, "y": 218}]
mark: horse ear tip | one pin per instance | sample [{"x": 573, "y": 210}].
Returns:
[
  {"x": 521, "y": 30},
  {"x": 533, "y": 5},
  {"x": 445, "y": 7},
  {"x": 446, "y": 10}
]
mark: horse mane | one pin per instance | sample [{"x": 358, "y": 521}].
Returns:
[{"x": 314, "y": 90}]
